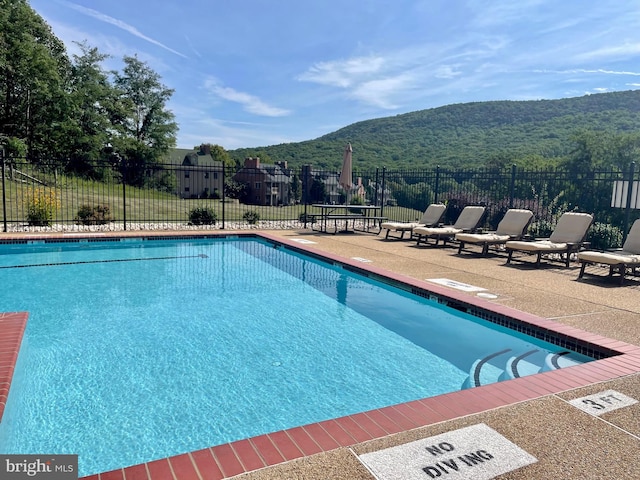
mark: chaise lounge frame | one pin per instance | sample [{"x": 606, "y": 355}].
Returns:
[{"x": 568, "y": 237}]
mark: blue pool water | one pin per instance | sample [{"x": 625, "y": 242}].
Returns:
[{"x": 138, "y": 350}]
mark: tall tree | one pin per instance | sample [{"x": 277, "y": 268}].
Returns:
[
  {"x": 87, "y": 128},
  {"x": 219, "y": 154},
  {"x": 33, "y": 68},
  {"x": 145, "y": 128}
]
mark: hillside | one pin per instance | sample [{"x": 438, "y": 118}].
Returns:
[{"x": 468, "y": 134}]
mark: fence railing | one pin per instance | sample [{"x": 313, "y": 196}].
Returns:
[{"x": 123, "y": 196}]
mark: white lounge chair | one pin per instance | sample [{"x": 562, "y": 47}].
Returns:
[
  {"x": 468, "y": 221},
  {"x": 567, "y": 237},
  {"x": 512, "y": 227},
  {"x": 619, "y": 259},
  {"x": 431, "y": 216}
]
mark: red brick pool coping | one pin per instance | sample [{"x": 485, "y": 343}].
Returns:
[
  {"x": 12, "y": 327},
  {"x": 226, "y": 460}
]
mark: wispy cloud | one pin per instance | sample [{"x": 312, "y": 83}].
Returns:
[
  {"x": 447, "y": 71},
  {"x": 625, "y": 50},
  {"x": 251, "y": 103},
  {"x": 380, "y": 92},
  {"x": 343, "y": 73},
  {"x": 396, "y": 78},
  {"x": 120, "y": 24},
  {"x": 193, "y": 49},
  {"x": 491, "y": 14},
  {"x": 584, "y": 70},
  {"x": 373, "y": 80}
]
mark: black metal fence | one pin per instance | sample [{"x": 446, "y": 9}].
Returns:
[{"x": 124, "y": 196}]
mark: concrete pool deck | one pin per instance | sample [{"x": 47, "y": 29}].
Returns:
[{"x": 566, "y": 441}]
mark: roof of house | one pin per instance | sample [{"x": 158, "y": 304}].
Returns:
[
  {"x": 271, "y": 173},
  {"x": 191, "y": 157}
]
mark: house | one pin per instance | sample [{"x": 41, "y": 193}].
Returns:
[
  {"x": 333, "y": 191},
  {"x": 198, "y": 174},
  {"x": 266, "y": 184}
]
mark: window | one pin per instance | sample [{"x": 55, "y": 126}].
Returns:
[
  {"x": 215, "y": 175},
  {"x": 206, "y": 174},
  {"x": 186, "y": 174},
  {"x": 258, "y": 185},
  {"x": 186, "y": 189}
]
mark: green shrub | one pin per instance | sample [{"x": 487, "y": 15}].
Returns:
[
  {"x": 42, "y": 204},
  {"x": 96, "y": 215},
  {"x": 356, "y": 200},
  {"x": 202, "y": 216},
  {"x": 603, "y": 236},
  {"x": 541, "y": 229},
  {"x": 251, "y": 217}
]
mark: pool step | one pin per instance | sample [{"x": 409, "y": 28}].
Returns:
[
  {"x": 484, "y": 370},
  {"x": 517, "y": 366},
  {"x": 554, "y": 361}
]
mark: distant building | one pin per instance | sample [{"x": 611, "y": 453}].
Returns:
[
  {"x": 266, "y": 184},
  {"x": 198, "y": 175}
]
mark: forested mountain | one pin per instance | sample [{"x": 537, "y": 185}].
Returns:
[{"x": 496, "y": 133}]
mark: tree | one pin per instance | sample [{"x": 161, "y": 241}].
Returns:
[
  {"x": 219, "y": 154},
  {"x": 144, "y": 129},
  {"x": 33, "y": 70},
  {"x": 233, "y": 189},
  {"x": 296, "y": 188},
  {"x": 88, "y": 126},
  {"x": 318, "y": 191}
]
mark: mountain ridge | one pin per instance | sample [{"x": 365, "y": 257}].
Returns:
[{"x": 465, "y": 134}]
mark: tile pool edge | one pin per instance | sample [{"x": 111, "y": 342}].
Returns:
[
  {"x": 270, "y": 449},
  {"x": 12, "y": 326}
]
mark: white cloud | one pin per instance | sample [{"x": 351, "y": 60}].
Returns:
[
  {"x": 120, "y": 24},
  {"x": 618, "y": 51},
  {"x": 250, "y": 103},
  {"x": 494, "y": 13},
  {"x": 447, "y": 72},
  {"x": 380, "y": 92},
  {"x": 584, "y": 70},
  {"x": 343, "y": 73}
]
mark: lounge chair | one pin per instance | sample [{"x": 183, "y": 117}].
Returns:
[
  {"x": 619, "y": 259},
  {"x": 468, "y": 221},
  {"x": 431, "y": 216},
  {"x": 567, "y": 237},
  {"x": 513, "y": 226}
]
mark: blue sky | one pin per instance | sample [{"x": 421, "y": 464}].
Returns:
[{"x": 249, "y": 73}]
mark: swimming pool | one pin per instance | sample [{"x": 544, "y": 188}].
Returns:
[{"x": 313, "y": 356}]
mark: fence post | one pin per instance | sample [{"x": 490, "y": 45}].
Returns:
[
  {"x": 384, "y": 175},
  {"x": 224, "y": 191},
  {"x": 435, "y": 200},
  {"x": 377, "y": 184},
  {"x": 512, "y": 188},
  {"x": 4, "y": 191},
  {"x": 627, "y": 213},
  {"x": 303, "y": 194},
  {"x": 123, "y": 163}
]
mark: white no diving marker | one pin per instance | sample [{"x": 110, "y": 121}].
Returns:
[
  {"x": 465, "y": 287},
  {"x": 303, "y": 240},
  {"x": 477, "y": 452}
]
